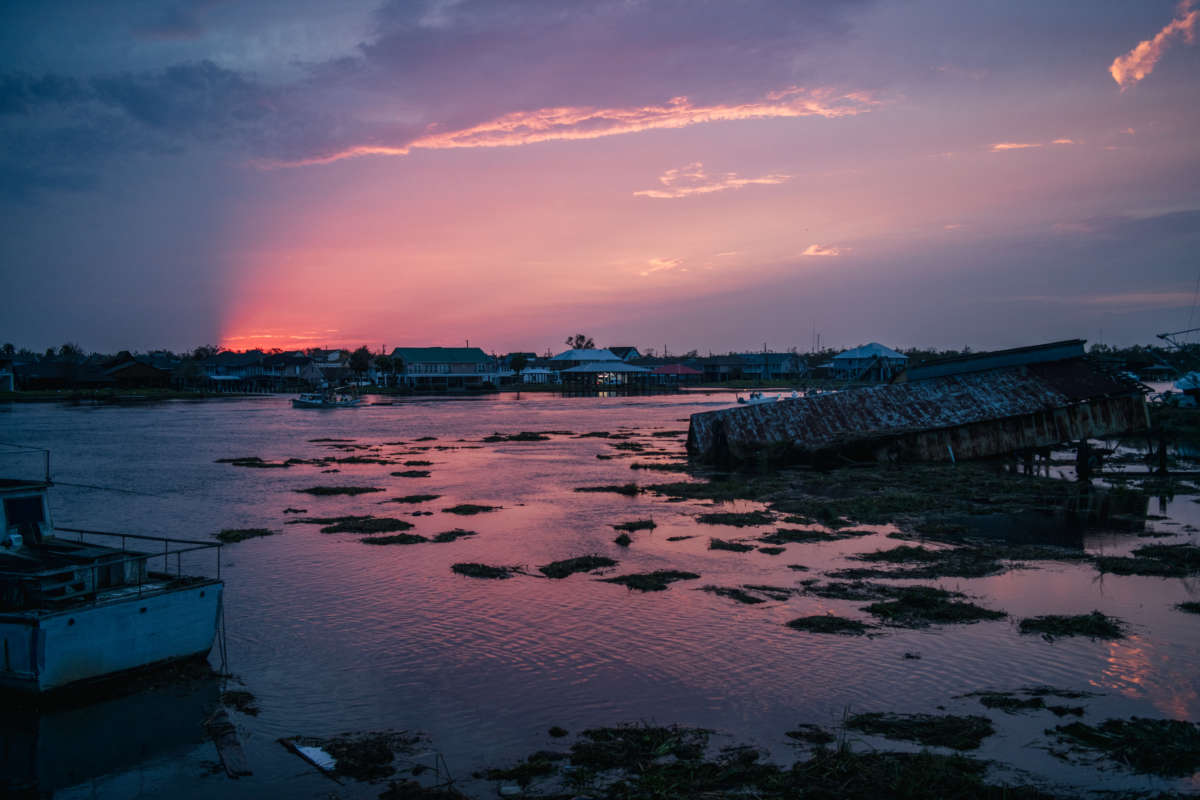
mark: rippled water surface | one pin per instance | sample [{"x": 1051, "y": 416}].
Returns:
[{"x": 333, "y": 635}]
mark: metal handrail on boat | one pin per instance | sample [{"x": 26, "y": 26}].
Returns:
[{"x": 137, "y": 556}]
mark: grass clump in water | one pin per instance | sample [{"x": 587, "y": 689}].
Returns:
[
  {"x": 735, "y": 547},
  {"x": 1160, "y": 746},
  {"x": 828, "y": 623},
  {"x": 931, "y": 730},
  {"x": 623, "y": 540},
  {"x": 811, "y": 734},
  {"x": 399, "y": 538},
  {"x": 332, "y": 490},
  {"x": 569, "y": 566},
  {"x": 794, "y": 536},
  {"x": 738, "y": 519},
  {"x": 469, "y": 509},
  {"x": 413, "y": 498},
  {"x": 411, "y": 473},
  {"x": 959, "y": 562},
  {"x": 1009, "y": 702},
  {"x": 663, "y": 466},
  {"x": 473, "y": 570},
  {"x": 636, "y": 747},
  {"x": 231, "y": 535},
  {"x": 418, "y": 463},
  {"x": 363, "y": 756},
  {"x": 254, "y": 462},
  {"x": 629, "y": 489},
  {"x": 739, "y": 595},
  {"x": 857, "y": 590},
  {"x": 451, "y": 535},
  {"x": 1164, "y": 560},
  {"x": 920, "y": 606},
  {"x": 1095, "y": 625},
  {"x": 656, "y": 581},
  {"x": 368, "y": 525},
  {"x": 635, "y": 525}
]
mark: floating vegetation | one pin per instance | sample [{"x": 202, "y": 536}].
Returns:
[
  {"x": 361, "y": 756},
  {"x": 331, "y": 490},
  {"x": 679, "y": 538},
  {"x": 858, "y": 590},
  {"x": 1160, "y": 746},
  {"x": 623, "y": 540},
  {"x": 931, "y": 730},
  {"x": 523, "y": 436},
  {"x": 254, "y": 462},
  {"x": 452, "y": 535},
  {"x": 739, "y": 595},
  {"x": 472, "y": 570},
  {"x": 468, "y": 509},
  {"x": 635, "y": 525},
  {"x": 411, "y": 473},
  {"x": 960, "y": 562},
  {"x": 1190, "y": 607},
  {"x": 412, "y": 498},
  {"x": 828, "y": 623},
  {"x": 663, "y": 466},
  {"x": 230, "y": 535},
  {"x": 629, "y": 489},
  {"x": 629, "y": 446},
  {"x": 1095, "y": 625},
  {"x": 811, "y": 734},
  {"x": 1164, "y": 560},
  {"x": 418, "y": 463},
  {"x": 363, "y": 460},
  {"x": 1009, "y": 702},
  {"x": 368, "y": 525},
  {"x": 796, "y": 535},
  {"x": 569, "y": 566},
  {"x": 656, "y": 581},
  {"x": 399, "y": 538},
  {"x": 241, "y": 700},
  {"x": 738, "y": 519},
  {"x": 722, "y": 544},
  {"x": 919, "y": 606},
  {"x": 594, "y": 435},
  {"x": 327, "y": 520},
  {"x": 635, "y": 747},
  {"x": 771, "y": 551}
]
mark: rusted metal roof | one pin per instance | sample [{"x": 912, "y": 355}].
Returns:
[{"x": 818, "y": 423}]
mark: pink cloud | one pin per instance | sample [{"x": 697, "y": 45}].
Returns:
[
  {"x": 692, "y": 180},
  {"x": 819, "y": 250},
  {"x": 577, "y": 122},
  {"x": 1000, "y": 147},
  {"x": 1063, "y": 141},
  {"x": 661, "y": 265},
  {"x": 1139, "y": 62}
]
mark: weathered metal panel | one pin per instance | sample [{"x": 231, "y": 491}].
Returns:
[{"x": 975, "y": 414}]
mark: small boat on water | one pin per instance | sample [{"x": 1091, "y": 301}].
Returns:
[
  {"x": 755, "y": 398},
  {"x": 332, "y": 398},
  {"x": 79, "y": 605}
]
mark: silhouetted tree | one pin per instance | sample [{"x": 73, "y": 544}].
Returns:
[
  {"x": 580, "y": 342},
  {"x": 385, "y": 366},
  {"x": 206, "y": 351},
  {"x": 518, "y": 363},
  {"x": 360, "y": 360}
]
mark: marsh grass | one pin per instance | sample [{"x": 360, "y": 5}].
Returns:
[
  {"x": 656, "y": 581},
  {"x": 368, "y": 525},
  {"x": 931, "y": 730},
  {"x": 473, "y": 570},
  {"x": 321, "y": 491},
  {"x": 453, "y": 535},
  {"x": 411, "y": 473},
  {"x": 735, "y": 547},
  {"x": 829, "y": 623},
  {"x": 569, "y": 566},
  {"x": 740, "y": 519},
  {"x": 733, "y": 593},
  {"x": 920, "y": 606},
  {"x": 469, "y": 509},
  {"x": 231, "y": 535},
  {"x": 412, "y": 498},
  {"x": 1094, "y": 625},
  {"x": 635, "y": 525},
  {"x": 1160, "y": 746},
  {"x": 629, "y": 489},
  {"x": 399, "y": 538}
]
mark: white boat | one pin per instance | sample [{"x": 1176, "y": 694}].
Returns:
[
  {"x": 757, "y": 397},
  {"x": 79, "y": 605},
  {"x": 333, "y": 398}
]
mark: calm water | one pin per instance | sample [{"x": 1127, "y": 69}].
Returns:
[{"x": 332, "y": 635}]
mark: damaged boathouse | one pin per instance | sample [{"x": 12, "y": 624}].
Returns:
[{"x": 974, "y": 406}]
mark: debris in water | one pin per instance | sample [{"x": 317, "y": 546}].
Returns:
[
  {"x": 569, "y": 566},
  {"x": 1094, "y": 625},
  {"x": 656, "y": 581},
  {"x": 418, "y": 463},
  {"x": 361, "y": 756},
  {"x": 557, "y": 732},
  {"x": 812, "y": 734}
]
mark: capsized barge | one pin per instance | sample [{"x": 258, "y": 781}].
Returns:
[
  {"x": 79, "y": 605},
  {"x": 977, "y": 406}
]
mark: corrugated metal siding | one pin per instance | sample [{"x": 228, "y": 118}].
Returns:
[{"x": 1035, "y": 404}]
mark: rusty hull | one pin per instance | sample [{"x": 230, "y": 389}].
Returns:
[{"x": 941, "y": 419}]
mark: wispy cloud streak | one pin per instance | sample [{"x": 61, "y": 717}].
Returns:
[
  {"x": 818, "y": 250},
  {"x": 692, "y": 180},
  {"x": 569, "y": 123},
  {"x": 1139, "y": 62}
]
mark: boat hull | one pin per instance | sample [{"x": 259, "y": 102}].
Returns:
[{"x": 41, "y": 651}]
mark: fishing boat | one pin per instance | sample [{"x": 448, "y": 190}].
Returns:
[
  {"x": 331, "y": 398},
  {"x": 78, "y": 605},
  {"x": 755, "y": 398}
]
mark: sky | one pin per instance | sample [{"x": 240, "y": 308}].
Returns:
[{"x": 682, "y": 174}]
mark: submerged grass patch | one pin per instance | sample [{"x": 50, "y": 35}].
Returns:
[
  {"x": 931, "y": 730},
  {"x": 473, "y": 570},
  {"x": 399, "y": 538},
  {"x": 656, "y": 581},
  {"x": 368, "y": 525},
  {"x": 231, "y": 535},
  {"x": 1163, "y": 560},
  {"x": 829, "y": 623},
  {"x": 418, "y": 463},
  {"x": 1160, "y": 746},
  {"x": 797, "y": 535},
  {"x": 254, "y": 462},
  {"x": 1095, "y": 625},
  {"x": 629, "y": 489},
  {"x": 412, "y": 498},
  {"x": 959, "y": 562},
  {"x": 452, "y": 535},
  {"x": 738, "y": 519},
  {"x": 332, "y": 490},
  {"x": 635, "y": 525},
  {"x": 468, "y": 509},
  {"x": 523, "y": 436},
  {"x": 411, "y": 473},
  {"x": 736, "y": 547},
  {"x": 569, "y": 566},
  {"x": 739, "y": 595},
  {"x": 919, "y": 606},
  {"x": 663, "y": 466}
]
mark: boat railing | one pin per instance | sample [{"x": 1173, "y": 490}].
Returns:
[{"x": 67, "y": 576}]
